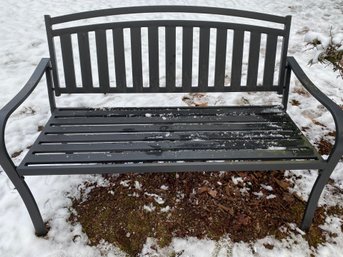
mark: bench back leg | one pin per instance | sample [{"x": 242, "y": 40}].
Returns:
[{"x": 312, "y": 201}]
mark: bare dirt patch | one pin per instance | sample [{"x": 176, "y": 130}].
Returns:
[
  {"x": 324, "y": 147},
  {"x": 244, "y": 205}
]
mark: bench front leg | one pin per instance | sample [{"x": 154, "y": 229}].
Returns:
[
  {"x": 337, "y": 151},
  {"x": 5, "y": 160},
  {"x": 312, "y": 202},
  {"x": 25, "y": 193}
]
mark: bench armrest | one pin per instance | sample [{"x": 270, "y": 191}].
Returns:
[
  {"x": 13, "y": 104},
  {"x": 334, "y": 109}
]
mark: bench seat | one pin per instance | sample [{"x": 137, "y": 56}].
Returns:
[{"x": 102, "y": 140}]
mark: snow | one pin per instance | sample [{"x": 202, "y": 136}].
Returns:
[
  {"x": 266, "y": 187},
  {"x": 258, "y": 194},
  {"x": 271, "y": 196},
  {"x": 125, "y": 183},
  {"x": 164, "y": 187},
  {"x": 138, "y": 185},
  {"x": 148, "y": 115},
  {"x": 23, "y": 43},
  {"x": 165, "y": 209},
  {"x": 236, "y": 180},
  {"x": 149, "y": 208},
  {"x": 158, "y": 199}
]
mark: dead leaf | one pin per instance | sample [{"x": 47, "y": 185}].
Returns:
[
  {"x": 203, "y": 189},
  {"x": 213, "y": 193},
  {"x": 231, "y": 190},
  {"x": 298, "y": 197},
  {"x": 268, "y": 246},
  {"x": 288, "y": 198},
  {"x": 184, "y": 98},
  {"x": 258, "y": 226},
  {"x": 204, "y": 104},
  {"x": 283, "y": 184},
  {"x": 226, "y": 209},
  {"x": 228, "y": 189},
  {"x": 243, "y": 219}
]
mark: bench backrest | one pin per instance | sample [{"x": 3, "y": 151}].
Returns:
[{"x": 214, "y": 56}]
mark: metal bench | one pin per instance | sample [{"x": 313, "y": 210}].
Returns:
[{"x": 118, "y": 140}]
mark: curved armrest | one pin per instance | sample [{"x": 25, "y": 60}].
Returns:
[
  {"x": 334, "y": 109},
  {"x": 12, "y": 105}
]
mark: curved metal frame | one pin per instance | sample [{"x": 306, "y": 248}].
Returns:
[
  {"x": 5, "y": 160},
  {"x": 337, "y": 151}
]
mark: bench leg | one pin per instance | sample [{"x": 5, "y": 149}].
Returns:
[
  {"x": 27, "y": 197},
  {"x": 30, "y": 204},
  {"x": 23, "y": 190},
  {"x": 312, "y": 202}
]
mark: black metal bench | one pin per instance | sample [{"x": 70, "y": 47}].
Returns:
[{"x": 117, "y": 140}]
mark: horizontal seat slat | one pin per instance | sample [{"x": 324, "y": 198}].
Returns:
[
  {"x": 158, "y": 136},
  {"x": 288, "y": 144},
  {"x": 166, "y": 119},
  {"x": 196, "y": 166},
  {"x": 170, "y": 128},
  {"x": 171, "y": 156}
]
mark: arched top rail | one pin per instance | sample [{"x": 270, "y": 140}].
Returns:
[
  {"x": 168, "y": 8},
  {"x": 183, "y": 23}
]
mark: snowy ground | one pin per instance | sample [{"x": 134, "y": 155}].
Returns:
[{"x": 23, "y": 43}]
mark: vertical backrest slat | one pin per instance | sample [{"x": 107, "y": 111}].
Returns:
[
  {"x": 101, "y": 51},
  {"x": 154, "y": 74},
  {"x": 52, "y": 51},
  {"x": 269, "y": 64},
  {"x": 68, "y": 61},
  {"x": 219, "y": 76},
  {"x": 283, "y": 88},
  {"x": 203, "y": 58},
  {"x": 187, "y": 56},
  {"x": 119, "y": 58},
  {"x": 254, "y": 53},
  {"x": 85, "y": 59},
  {"x": 170, "y": 56},
  {"x": 237, "y": 56},
  {"x": 136, "y": 58}
]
